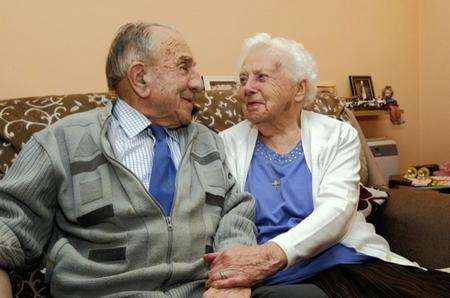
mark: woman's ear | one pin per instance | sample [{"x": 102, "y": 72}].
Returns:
[
  {"x": 136, "y": 76},
  {"x": 301, "y": 91}
]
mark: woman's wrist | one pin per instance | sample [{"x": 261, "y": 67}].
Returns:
[{"x": 275, "y": 255}]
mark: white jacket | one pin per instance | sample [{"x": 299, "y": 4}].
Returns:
[{"x": 331, "y": 149}]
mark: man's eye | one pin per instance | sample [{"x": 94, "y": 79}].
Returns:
[
  {"x": 184, "y": 68},
  {"x": 242, "y": 80}
]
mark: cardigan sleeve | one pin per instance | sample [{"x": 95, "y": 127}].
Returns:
[
  {"x": 236, "y": 226},
  {"x": 27, "y": 206},
  {"x": 335, "y": 204}
]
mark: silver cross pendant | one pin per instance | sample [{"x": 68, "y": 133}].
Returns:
[{"x": 276, "y": 183}]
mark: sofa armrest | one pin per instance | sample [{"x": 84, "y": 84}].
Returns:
[{"x": 416, "y": 223}]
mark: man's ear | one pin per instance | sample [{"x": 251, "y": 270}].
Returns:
[
  {"x": 136, "y": 75},
  {"x": 301, "y": 91}
]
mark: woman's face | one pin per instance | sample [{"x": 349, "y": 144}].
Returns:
[{"x": 267, "y": 89}]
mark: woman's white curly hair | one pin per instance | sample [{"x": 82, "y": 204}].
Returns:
[{"x": 302, "y": 65}]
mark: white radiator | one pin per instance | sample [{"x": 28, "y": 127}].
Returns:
[{"x": 386, "y": 155}]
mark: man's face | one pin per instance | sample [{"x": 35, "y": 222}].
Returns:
[
  {"x": 267, "y": 89},
  {"x": 173, "y": 80}
]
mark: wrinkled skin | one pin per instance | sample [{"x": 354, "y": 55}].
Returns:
[
  {"x": 165, "y": 85},
  {"x": 267, "y": 89},
  {"x": 244, "y": 266}
]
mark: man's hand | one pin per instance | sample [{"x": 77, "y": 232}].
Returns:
[
  {"x": 5, "y": 285},
  {"x": 244, "y": 266},
  {"x": 227, "y": 293}
]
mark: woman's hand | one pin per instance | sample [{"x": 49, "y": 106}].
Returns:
[{"x": 244, "y": 266}]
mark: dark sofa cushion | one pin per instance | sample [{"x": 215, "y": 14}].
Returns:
[{"x": 416, "y": 223}]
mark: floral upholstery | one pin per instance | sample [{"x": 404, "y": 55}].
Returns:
[
  {"x": 29, "y": 284},
  {"x": 219, "y": 110},
  {"x": 20, "y": 118},
  {"x": 328, "y": 104}
]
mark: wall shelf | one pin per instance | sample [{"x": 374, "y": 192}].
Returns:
[{"x": 371, "y": 113}]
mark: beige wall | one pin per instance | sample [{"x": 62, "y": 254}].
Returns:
[
  {"x": 57, "y": 47},
  {"x": 434, "y": 81}
]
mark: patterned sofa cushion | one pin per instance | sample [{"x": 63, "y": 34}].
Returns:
[
  {"x": 29, "y": 284},
  {"x": 327, "y": 103},
  {"x": 21, "y": 117},
  {"x": 218, "y": 110}
]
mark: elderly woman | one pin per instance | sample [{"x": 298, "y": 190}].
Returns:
[{"x": 302, "y": 168}]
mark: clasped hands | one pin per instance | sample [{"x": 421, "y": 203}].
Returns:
[{"x": 239, "y": 268}]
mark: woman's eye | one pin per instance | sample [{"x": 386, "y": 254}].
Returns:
[
  {"x": 242, "y": 80},
  {"x": 262, "y": 77}
]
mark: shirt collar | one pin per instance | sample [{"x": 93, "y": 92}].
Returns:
[{"x": 133, "y": 122}]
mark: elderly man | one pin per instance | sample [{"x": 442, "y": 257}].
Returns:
[
  {"x": 126, "y": 199},
  {"x": 302, "y": 168}
]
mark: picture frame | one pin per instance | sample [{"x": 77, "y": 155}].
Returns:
[
  {"x": 362, "y": 87},
  {"x": 221, "y": 83}
]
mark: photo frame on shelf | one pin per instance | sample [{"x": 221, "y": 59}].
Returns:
[
  {"x": 362, "y": 87},
  {"x": 326, "y": 87},
  {"x": 221, "y": 83}
]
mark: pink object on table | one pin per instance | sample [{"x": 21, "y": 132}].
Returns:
[{"x": 444, "y": 169}]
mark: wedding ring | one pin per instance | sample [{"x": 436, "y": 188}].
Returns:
[{"x": 222, "y": 275}]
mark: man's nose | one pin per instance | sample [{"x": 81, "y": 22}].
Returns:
[{"x": 195, "y": 82}]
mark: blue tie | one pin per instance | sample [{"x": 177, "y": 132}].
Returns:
[{"x": 162, "y": 180}]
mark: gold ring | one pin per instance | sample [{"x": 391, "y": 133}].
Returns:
[{"x": 222, "y": 275}]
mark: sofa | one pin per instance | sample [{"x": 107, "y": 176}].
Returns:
[{"x": 415, "y": 223}]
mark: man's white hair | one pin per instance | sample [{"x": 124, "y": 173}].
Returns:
[
  {"x": 133, "y": 42},
  {"x": 302, "y": 65}
]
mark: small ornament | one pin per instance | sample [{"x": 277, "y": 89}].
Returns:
[
  {"x": 387, "y": 96},
  {"x": 276, "y": 183},
  {"x": 423, "y": 173},
  {"x": 411, "y": 172}
]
